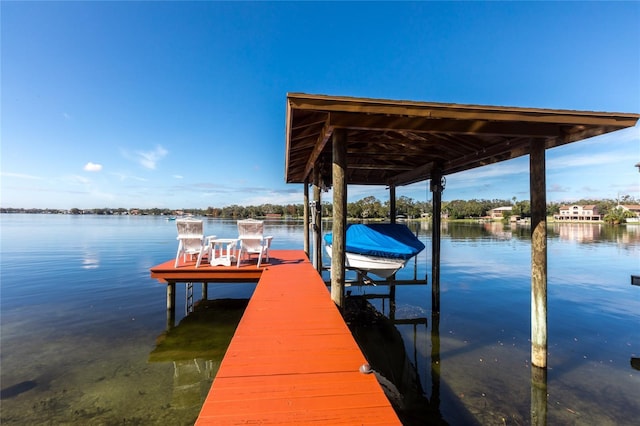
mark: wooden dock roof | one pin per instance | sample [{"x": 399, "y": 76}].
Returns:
[{"x": 401, "y": 142}]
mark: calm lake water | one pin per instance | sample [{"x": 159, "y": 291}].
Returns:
[{"x": 84, "y": 341}]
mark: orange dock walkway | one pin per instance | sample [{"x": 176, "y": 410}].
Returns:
[{"x": 292, "y": 359}]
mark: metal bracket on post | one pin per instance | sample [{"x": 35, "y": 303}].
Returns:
[
  {"x": 314, "y": 207},
  {"x": 438, "y": 186}
]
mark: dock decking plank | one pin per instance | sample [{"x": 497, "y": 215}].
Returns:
[
  {"x": 292, "y": 359},
  {"x": 247, "y": 272}
]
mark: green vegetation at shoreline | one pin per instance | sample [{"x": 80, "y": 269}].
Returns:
[{"x": 366, "y": 208}]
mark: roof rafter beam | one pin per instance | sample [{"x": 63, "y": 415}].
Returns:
[
  {"x": 457, "y": 111},
  {"x": 382, "y": 123},
  {"x": 378, "y": 166},
  {"x": 323, "y": 138},
  {"x": 492, "y": 154},
  {"x": 309, "y": 124},
  {"x": 584, "y": 133},
  {"x": 418, "y": 174},
  {"x": 309, "y": 133}
]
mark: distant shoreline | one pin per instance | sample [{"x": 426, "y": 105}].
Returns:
[{"x": 550, "y": 219}]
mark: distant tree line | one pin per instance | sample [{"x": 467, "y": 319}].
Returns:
[
  {"x": 462, "y": 209},
  {"x": 366, "y": 208}
]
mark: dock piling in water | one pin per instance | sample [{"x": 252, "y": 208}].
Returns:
[
  {"x": 538, "y": 255},
  {"x": 339, "y": 217}
]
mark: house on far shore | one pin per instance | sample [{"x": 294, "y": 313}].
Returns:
[
  {"x": 575, "y": 212},
  {"x": 633, "y": 208},
  {"x": 499, "y": 212}
]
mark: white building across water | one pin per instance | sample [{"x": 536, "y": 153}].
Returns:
[{"x": 576, "y": 212}]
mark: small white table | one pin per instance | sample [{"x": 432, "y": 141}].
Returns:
[{"x": 222, "y": 251}]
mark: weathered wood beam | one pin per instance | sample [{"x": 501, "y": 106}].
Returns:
[
  {"x": 305, "y": 132},
  {"x": 488, "y": 155},
  {"x": 370, "y": 145},
  {"x": 323, "y": 138},
  {"x": 305, "y": 217},
  {"x": 338, "y": 246},
  {"x": 392, "y": 203},
  {"x": 456, "y": 143},
  {"x": 418, "y": 174},
  {"x": 171, "y": 305},
  {"x": 313, "y": 120},
  {"x": 371, "y": 166},
  {"x": 436, "y": 110},
  {"x": 538, "y": 254},
  {"x": 436, "y": 189},
  {"x": 574, "y": 135},
  {"x": 317, "y": 220},
  {"x": 460, "y": 125}
]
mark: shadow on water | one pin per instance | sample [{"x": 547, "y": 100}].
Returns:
[
  {"x": 383, "y": 346},
  {"x": 196, "y": 347},
  {"x": 17, "y": 389}
]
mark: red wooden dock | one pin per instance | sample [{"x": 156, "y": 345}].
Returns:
[
  {"x": 187, "y": 271},
  {"x": 292, "y": 359}
]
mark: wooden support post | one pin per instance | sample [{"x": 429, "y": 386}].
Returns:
[
  {"x": 436, "y": 189},
  {"x": 171, "y": 305},
  {"x": 392, "y": 203},
  {"x": 435, "y": 361},
  {"x": 171, "y": 296},
  {"x": 538, "y": 254},
  {"x": 317, "y": 220},
  {"x": 539, "y": 396},
  {"x": 392, "y": 301},
  {"x": 339, "y": 216},
  {"x": 205, "y": 291},
  {"x": 305, "y": 216}
]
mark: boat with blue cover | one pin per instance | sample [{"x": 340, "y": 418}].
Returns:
[{"x": 379, "y": 248}]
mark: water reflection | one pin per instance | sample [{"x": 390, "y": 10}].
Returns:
[
  {"x": 580, "y": 232},
  {"x": 539, "y": 396},
  {"x": 585, "y": 233},
  {"x": 378, "y": 334},
  {"x": 382, "y": 343},
  {"x": 435, "y": 362},
  {"x": 90, "y": 259},
  {"x": 384, "y": 349},
  {"x": 70, "y": 343},
  {"x": 196, "y": 347}
]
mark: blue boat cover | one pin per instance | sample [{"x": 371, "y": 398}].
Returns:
[{"x": 388, "y": 240}]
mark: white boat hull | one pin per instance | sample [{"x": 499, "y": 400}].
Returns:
[{"x": 380, "y": 266}]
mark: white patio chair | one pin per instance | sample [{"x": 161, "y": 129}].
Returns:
[
  {"x": 190, "y": 240},
  {"x": 252, "y": 241}
]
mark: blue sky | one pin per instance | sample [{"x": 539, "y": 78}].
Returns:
[{"x": 182, "y": 105}]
